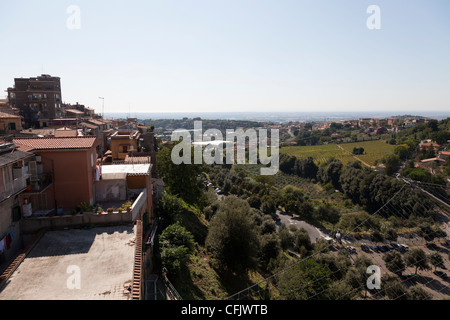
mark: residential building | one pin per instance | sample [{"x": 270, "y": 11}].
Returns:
[
  {"x": 10, "y": 123},
  {"x": 38, "y": 99},
  {"x": 121, "y": 182},
  {"x": 13, "y": 182},
  {"x": 70, "y": 163},
  {"x": 444, "y": 155},
  {"x": 124, "y": 141},
  {"x": 429, "y": 145}
]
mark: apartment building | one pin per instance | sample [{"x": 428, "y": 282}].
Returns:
[
  {"x": 70, "y": 163},
  {"x": 14, "y": 178},
  {"x": 38, "y": 99}
]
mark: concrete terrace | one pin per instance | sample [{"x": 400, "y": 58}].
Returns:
[{"x": 104, "y": 256}]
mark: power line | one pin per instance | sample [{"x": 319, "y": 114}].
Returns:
[{"x": 392, "y": 207}]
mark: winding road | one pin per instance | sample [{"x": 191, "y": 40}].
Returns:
[{"x": 286, "y": 219}]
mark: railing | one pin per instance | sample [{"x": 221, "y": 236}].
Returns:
[
  {"x": 43, "y": 181},
  {"x": 139, "y": 203},
  {"x": 170, "y": 292},
  {"x": 13, "y": 187}
]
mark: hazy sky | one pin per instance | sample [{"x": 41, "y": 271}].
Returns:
[{"x": 234, "y": 55}]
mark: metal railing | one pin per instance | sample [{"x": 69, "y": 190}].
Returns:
[{"x": 13, "y": 187}]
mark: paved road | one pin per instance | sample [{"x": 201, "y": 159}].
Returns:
[{"x": 314, "y": 233}]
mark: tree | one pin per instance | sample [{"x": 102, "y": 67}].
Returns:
[
  {"x": 306, "y": 210},
  {"x": 358, "y": 151},
  {"x": 268, "y": 205},
  {"x": 394, "y": 262},
  {"x": 176, "y": 235},
  {"x": 270, "y": 247},
  {"x": 391, "y": 161},
  {"x": 355, "y": 278},
  {"x": 333, "y": 172},
  {"x": 391, "y": 234},
  {"x": 302, "y": 241},
  {"x": 417, "y": 258},
  {"x": 182, "y": 179},
  {"x": 170, "y": 207},
  {"x": 285, "y": 236},
  {"x": 436, "y": 259},
  {"x": 287, "y": 163},
  {"x": 233, "y": 239},
  {"x": 173, "y": 258},
  {"x": 376, "y": 236},
  {"x": 429, "y": 232},
  {"x": 393, "y": 288},
  {"x": 402, "y": 152},
  {"x": 340, "y": 291},
  {"x": 416, "y": 292},
  {"x": 175, "y": 244},
  {"x": 304, "y": 280},
  {"x": 327, "y": 213}
]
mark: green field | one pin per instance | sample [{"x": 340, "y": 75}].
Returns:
[{"x": 373, "y": 150}]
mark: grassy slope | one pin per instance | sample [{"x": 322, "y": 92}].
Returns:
[
  {"x": 373, "y": 150},
  {"x": 198, "y": 280}
]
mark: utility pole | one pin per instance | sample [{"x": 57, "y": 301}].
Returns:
[{"x": 103, "y": 107}]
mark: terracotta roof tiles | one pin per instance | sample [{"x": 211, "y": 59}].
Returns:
[{"x": 55, "y": 143}]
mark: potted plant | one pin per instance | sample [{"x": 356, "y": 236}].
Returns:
[
  {"x": 110, "y": 210},
  {"x": 99, "y": 210},
  {"x": 128, "y": 205}
]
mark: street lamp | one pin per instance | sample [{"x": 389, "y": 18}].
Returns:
[{"x": 103, "y": 107}]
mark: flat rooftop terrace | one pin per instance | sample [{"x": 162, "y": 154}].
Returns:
[{"x": 103, "y": 257}]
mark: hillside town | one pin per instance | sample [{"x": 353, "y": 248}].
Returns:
[
  {"x": 79, "y": 191},
  {"x": 63, "y": 166}
]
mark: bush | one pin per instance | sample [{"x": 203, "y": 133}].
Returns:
[{"x": 175, "y": 244}]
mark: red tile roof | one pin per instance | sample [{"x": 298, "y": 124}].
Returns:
[
  {"x": 7, "y": 115},
  {"x": 54, "y": 143}
]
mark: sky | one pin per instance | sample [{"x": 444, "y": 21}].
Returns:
[{"x": 233, "y": 55}]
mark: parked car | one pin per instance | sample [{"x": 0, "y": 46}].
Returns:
[
  {"x": 351, "y": 249},
  {"x": 440, "y": 274},
  {"x": 276, "y": 217},
  {"x": 365, "y": 248},
  {"x": 410, "y": 277},
  {"x": 442, "y": 266},
  {"x": 432, "y": 246},
  {"x": 395, "y": 246},
  {"x": 374, "y": 248},
  {"x": 404, "y": 247}
]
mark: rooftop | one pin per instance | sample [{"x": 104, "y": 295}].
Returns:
[
  {"x": 56, "y": 143},
  {"x": 5, "y": 115},
  {"x": 104, "y": 257},
  {"x": 74, "y": 111},
  {"x": 13, "y": 156},
  {"x": 128, "y": 169}
]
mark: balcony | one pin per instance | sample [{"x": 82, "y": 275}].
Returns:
[
  {"x": 43, "y": 219},
  {"x": 17, "y": 185},
  {"x": 39, "y": 183}
]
